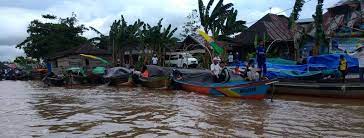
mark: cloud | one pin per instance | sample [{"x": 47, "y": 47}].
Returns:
[
  {"x": 15, "y": 15},
  {"x": 8, "y": 53}
]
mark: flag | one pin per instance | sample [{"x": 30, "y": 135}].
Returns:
[
  {"x": 97, "y": 58},
  {"x": 217, "y": 49}
]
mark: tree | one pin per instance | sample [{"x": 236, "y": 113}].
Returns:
[
  {"x": 191, "y": 25},
  {"x": 212, "y": 21},
  {"x": 46, "y": 39},
  {"x": 23, "y": 60},
  {"x": 101, "y": 41},
  {"x": 124, "y": 37},
  {"x": 157, "y": 38},
  {"x": 231, "y": 25},
  {"x": 320, "y": 34},
  {"x": 298, "y": 36},
  {"x": 295, "y": 12}
]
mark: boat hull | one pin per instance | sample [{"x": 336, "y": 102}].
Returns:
[
  {"x": 158, "y": 82},
  {"x": 252, "y": 90},
  {"x": 330, "y": 90}
]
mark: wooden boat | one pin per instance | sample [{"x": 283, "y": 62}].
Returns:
[
  {"x": 236, "y": 89},
  {"x": 117, "y": 76},
  {"x": 155, "y": 82},
  {"x": 319, "y": 89},
  {"x": 158, "y": 77},
  {"x": 54, "y": 80}
]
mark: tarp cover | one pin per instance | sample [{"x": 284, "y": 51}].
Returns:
[
  {"x": 194, "y": 75},
  {"x": 118, "y": 72},
  {"x": 157, "y": 71},
  {"x": 99, "y": 70},
  {"x": 332, "y": 61},
  {"x": 316, "y": 68}
]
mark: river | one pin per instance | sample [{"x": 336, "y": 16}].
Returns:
[{"x": 28, "y": 109}]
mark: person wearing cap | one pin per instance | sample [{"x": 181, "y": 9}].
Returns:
[
  {"x": 215, "y": 69},
  {"x": 359, "y": 53}
]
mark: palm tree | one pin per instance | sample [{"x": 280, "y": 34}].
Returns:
[
  {"x": 157, "y": 38},
  {"x": 124, "y": 37},
  {"x": 102, "y": 41},
  {"x": 232, "y": 25},
  {"x": 212, "y": 21}
]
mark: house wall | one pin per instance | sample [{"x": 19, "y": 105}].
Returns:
[{"x": 61, "y": 64}]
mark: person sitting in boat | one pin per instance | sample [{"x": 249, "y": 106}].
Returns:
[
  {"x": 215, "y": 69},
  {"x": 145, "y": 72},
  {"x": 237, "y": 70},
  {"x": 343, "y": 67},
  {"x": 224, "y": 75},
  {"x": 251, "y": 71}
]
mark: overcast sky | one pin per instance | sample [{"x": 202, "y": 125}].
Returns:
[{"x": 15, "y": 15}]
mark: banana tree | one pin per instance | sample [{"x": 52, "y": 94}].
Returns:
[
  {"x": 211, "y": 22},
  {"x": 156, "y": 38},
  {"x": 231, "y": 25},
  {"x": 102, "y": 41},
  {"x": 124, "y": 37}
]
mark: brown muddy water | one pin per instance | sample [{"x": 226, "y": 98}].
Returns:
[{"x": 28, "y": 109}]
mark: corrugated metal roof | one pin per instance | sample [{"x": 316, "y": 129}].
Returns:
[
  {"x": 274, "y": 26},
  {"x": 83, "y": 49}
]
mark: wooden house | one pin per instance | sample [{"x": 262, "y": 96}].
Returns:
[
  {"x": 72, "y": 58},
  {"x": 274, "y": 29}
]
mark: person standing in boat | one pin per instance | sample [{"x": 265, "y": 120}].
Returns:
[
  {"x": 359, "y": 53},
  {"x": 155, "y": 59},
  {"x": 215, "y": 69},
  {"x": 261, "y": 59},
  {"x": 343, "y": 67},
  {"x": 224, "y": 75}
]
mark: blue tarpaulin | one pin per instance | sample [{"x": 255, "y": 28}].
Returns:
[{"x": 316, "y": 67}]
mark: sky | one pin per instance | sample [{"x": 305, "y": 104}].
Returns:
[{"x": 15, "y": 15}]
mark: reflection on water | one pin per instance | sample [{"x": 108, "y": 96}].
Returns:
[{"x": 29, "y": 109}]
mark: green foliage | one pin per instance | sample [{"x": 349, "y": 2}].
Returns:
[
  {"x": 45, "y": 39},
  {"x": 124, "y": 37},
  {"x": 24, "y": 61},
  {"x": 295, "y": 13},
  {"x": 320, "y": 34},
  {"x": 251, "y": 55},
  {"x": 222, "y": 21},
  {"x": 141, "y": 35},
  {"x": 100, "y": 41}
]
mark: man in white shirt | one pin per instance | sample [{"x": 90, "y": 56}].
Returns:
[
  {"x": 230, "y": 58},
  {"x": 215, "y": 69},
  {"x": 155, "y": 59},
  {"x": 359, "y": 53}
]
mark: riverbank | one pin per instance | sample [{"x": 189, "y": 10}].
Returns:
[{"x": 29, "y": 109}]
